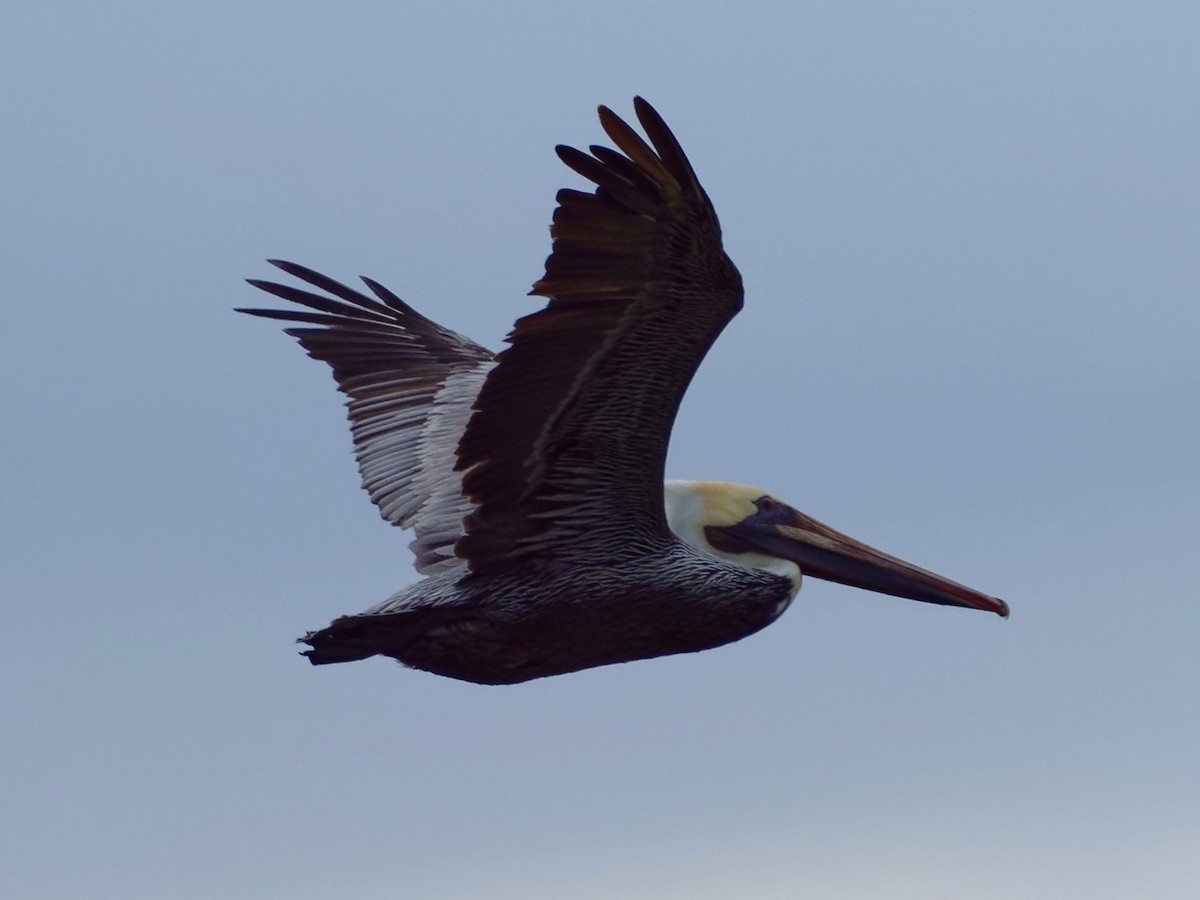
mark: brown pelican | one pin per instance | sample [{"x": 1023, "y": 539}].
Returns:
[{"x": 533, "y": 479}]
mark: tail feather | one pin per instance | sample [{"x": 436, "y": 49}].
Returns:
[{"x": 351, "y": 638}]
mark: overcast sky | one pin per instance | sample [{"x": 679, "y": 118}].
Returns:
[{"x": 969, "y": 239}]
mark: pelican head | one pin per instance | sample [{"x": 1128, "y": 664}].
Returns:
[{"x": 750, "y": 528}]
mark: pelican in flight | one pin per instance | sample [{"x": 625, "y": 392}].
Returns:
[{"x": 532, "y": 479}]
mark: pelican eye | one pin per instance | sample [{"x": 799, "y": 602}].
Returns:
[{"x": 771, "y": 511}]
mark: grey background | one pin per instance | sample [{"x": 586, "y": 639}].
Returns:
[{"x": 968, "y": 234}]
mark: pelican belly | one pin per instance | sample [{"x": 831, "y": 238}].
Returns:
[{"x": 534, "y": 621}]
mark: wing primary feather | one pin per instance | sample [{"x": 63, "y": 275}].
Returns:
[
  {"x": 632, "y": 145},
  {"x": 288, "y": 315},
  {"x": 667, "y": 145},
  {"x": 354, "y": 310},
  {"x": 622, "y": 166},
  {"x": 325, "y": 283},
  {"x": 613, "y": 183},
  {"x": 391, "y": 299}
]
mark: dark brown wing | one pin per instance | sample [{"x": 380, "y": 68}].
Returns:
[
  {"x": 564, "y": 456},
  {"x": 410, "y": 384}
]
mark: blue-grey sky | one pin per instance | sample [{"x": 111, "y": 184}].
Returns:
[{"x": 969, "y": 237}]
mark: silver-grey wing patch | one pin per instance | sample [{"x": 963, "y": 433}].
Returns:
[{"x": 438, "y": 522}]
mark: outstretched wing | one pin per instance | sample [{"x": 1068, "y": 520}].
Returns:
[
  {"x": 565, "y": 453},
  {"x": 410, "y": 384}
]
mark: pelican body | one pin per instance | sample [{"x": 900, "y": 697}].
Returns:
[{"x": 533, "y": 479}]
